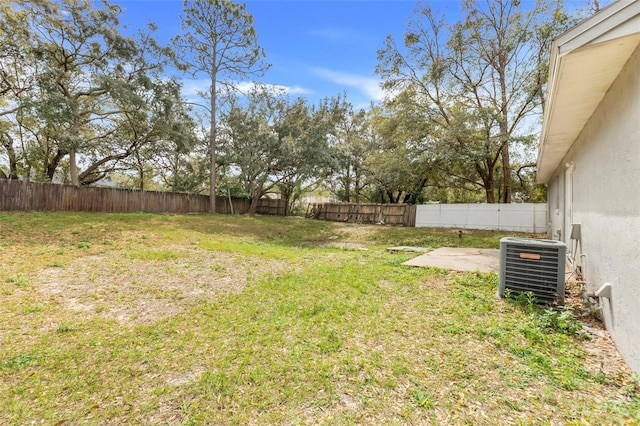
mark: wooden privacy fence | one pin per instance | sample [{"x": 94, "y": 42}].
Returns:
[
  {"x": 273, "y": 207},
  {"x": 389, "y": 214},
  {"x": 16, "y": 195}
]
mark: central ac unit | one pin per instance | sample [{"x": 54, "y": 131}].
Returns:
[{"x": 532, "y": 265}]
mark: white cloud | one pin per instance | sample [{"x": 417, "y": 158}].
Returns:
[
  {"x": 246, "y": 86},
  {"x": 296, "y": 90},
  {"x": 369, "y": 86},
  {"x": 191, "y": 88}
]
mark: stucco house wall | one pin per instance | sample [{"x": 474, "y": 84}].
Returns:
[
  {"x": 555, "y": 201},
  {"x": 603, "y": 166}
]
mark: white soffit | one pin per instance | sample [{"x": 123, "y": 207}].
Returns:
[{"x": 584, "y": 64}]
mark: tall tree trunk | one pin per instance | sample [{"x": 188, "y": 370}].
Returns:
[
  {"x": 506, "y": 171},
  {"x": 230, "y": 200},
  {"x": 488, "y": 181},
  {"x": 212, "y": 147},
  {"x": 289, "y": 196},
  {"x": 7, "y": 142},
  {"x": 347, "y": 184},
  {"x": 73, "y": 168},
  {"x": 253, "y": 206},
  {"x": 489, "y": 190},
  {"x": 140, "y": 170},
  {"x": 256, "y": 194},
  {"x": 504, "y": 132},
  {"x": 357, "y": 188},
  {"x": 288, "y": 191},
  {"x": 390, "y": 195}
]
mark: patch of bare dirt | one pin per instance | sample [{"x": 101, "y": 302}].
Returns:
[
  {"x": 185, "y": 378},
  {"x": 357, "y": 231},
  {"x": 144, "y": 291}
]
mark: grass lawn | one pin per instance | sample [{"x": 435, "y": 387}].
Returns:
[{"x": 152, "y": 319}]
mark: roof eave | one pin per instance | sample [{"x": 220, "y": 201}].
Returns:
[{"x": 618, "y": 20}]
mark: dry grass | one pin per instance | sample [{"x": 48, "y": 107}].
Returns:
[
  {"x": 147, "y": 286},
  {"x": 147, "y": 319}
]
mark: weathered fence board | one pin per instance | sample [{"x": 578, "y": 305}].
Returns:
[
  {"x": 273, "y": 207},
  {"x": 16, "y": 195},
  {"x": 389, "y": 214}
]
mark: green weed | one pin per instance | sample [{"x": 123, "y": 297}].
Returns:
[
  {"x": 19, "y": 281},
  {"x": 18, "y": 361},
  {"x": 37, "y": 307},
  {"x": 66, "y": 327},
  {"x": 57, "y": 263},
  {"x": 526, "y": 299},
  {"x": 422, "y": 398},
  {"x": 562, "y": 320},
  {"x": 84, "y": 244}
]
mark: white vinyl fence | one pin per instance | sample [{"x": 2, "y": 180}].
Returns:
[{"x": 525, "y": 217}]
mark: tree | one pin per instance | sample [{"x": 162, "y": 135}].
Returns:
[
  {"x": 478, "y": 83},
  {"x": 89, "y": 87},
  {"x": 182, "y": 163},
  {"x": 157, "y": 124},
  {"x": 17, "y": 78},
  {"x": 219, "y": 41},
  {"x": 250, "y": 143},
  {"x": 305, "y": 157},
  {"x": 350, "y": 142},
  {"x": 401, "y": 164},
  {"x": 83, "y": 56}
]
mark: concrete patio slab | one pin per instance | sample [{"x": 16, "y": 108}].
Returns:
[{"x": 459, "y": 259}]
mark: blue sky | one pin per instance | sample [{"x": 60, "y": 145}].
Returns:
[{"x": 317, "y": 48}]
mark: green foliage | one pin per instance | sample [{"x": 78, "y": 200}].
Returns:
[
  {"x": 399, "y": 166},
  {"x": 475, "y": 102},
  {"x": 526, "y": 299},
  {"x": 435, "y": 140},
  {"x": 57, "y": 263},
  {"x": 305, "y": 156},
  {"x": 350, "y": 144},
  {"x": 84, "y": 88},
  {"x": 423, "y": 398},
  {"x": 276, "y": 144},
  {"x": 250, "y": 143}
]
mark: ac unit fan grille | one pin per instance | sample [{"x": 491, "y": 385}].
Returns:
[{"x": 537, "y": 267}]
